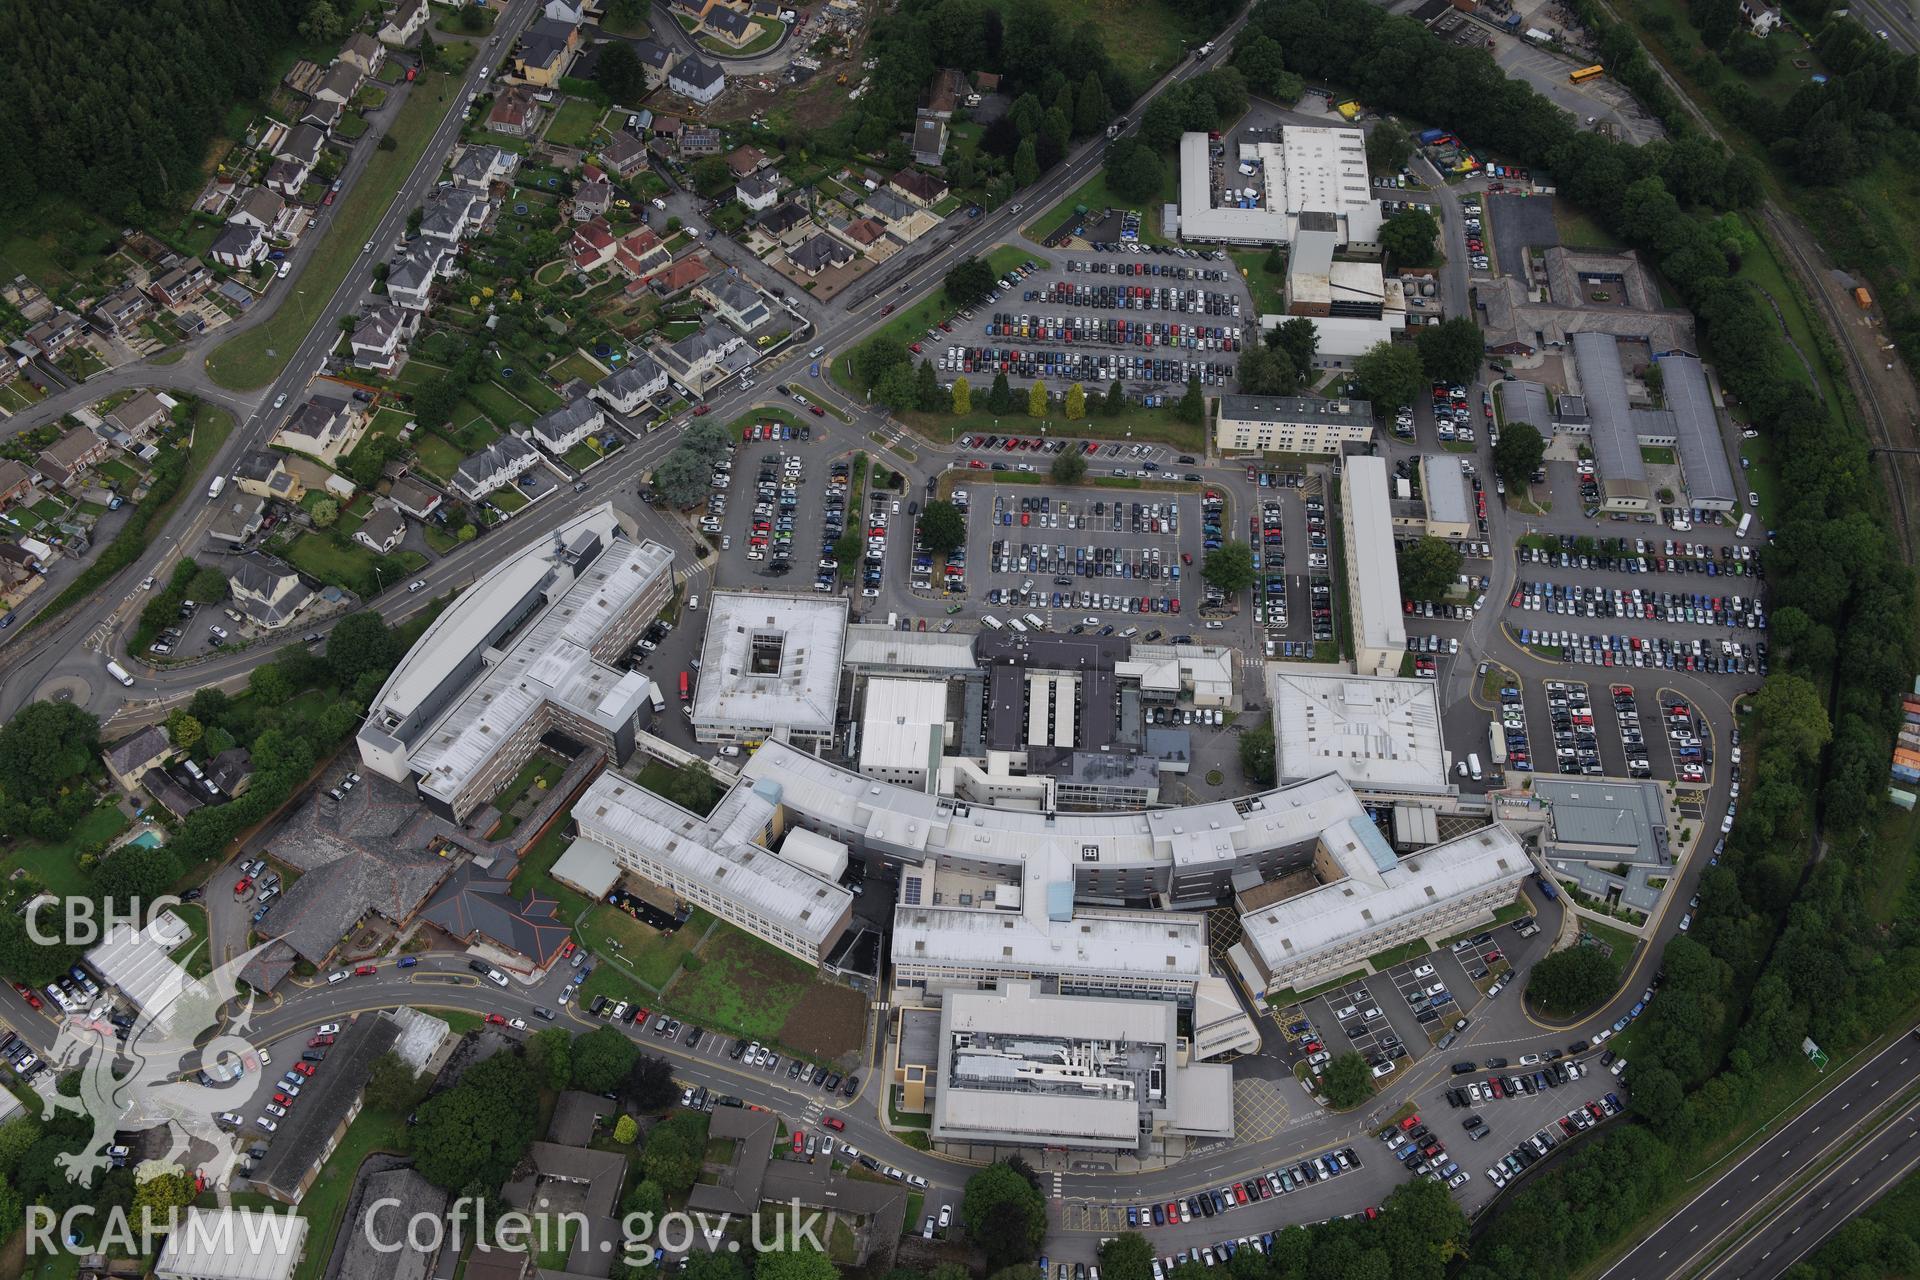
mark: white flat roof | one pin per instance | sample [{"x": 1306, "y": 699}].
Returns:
[
  {"x": 1448, "y": 492},
  {"x": 1374, "y": 573},
  {"x": 808, "y": 636},
  {"x": 901, "y": 720},
  {"x": 1377, "y": 732}
]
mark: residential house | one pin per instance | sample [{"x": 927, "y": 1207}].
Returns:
[
  {"x": 121, "y": 312},
  {"x": 737, "y": 302},
  {"x": 259, "y": 208},
  {"x": 923, "y": 190},
  {"x": 288, "y": 177},
  {"x": 183, "y": 284},
  {"x": 383, "y": 530},
  {"x": 380, "y": 338},
  {"x": 302, "y": 143},
  {"x": 949, "y": 90},
  {"x": 888, "y": 207},
  {"x": 52, "y": 336},
  {"x": 1761, "y": 17},
  {"x": 16, "y": 483},
  {"x": 403, "y": 21},
  {"x": 781, "y": 219},
  {"x": 560, "y": 429},
  {"x": 339, "y": 85},
  {"x": 668, "y": 127},
  {"x": 929, "y": 138},
  {"x": 700, "y": 140},
  {"x": 818, "y": 253},
  {"x": 697, "y": 79},
  {"x": 479, "y": 167},
  {"x": 237, "y": 519},
  {"x": 681, "y": 276},
  {"x": 268, "y": 592},
  {"x": 631, "y": 385},
  {"x": 862, "y": 233},
  {"x": 363, "y": 52},
  {"x": 730, "y": 27},
  {"x": 572, "y": 12},
  {"x": 169, "y": 794},
  {"x": 414, "y": 498},
  {"x": 744, "y": 160},
  {"x": 264, "y": 474},
  {"x": 141, "y": 415},
  {"x": 325, "y": 427},
  {"x": 16, "y": 567},
  {"x": 452, "y": 214},
  {"x": 625, "y": 154},
  {"x": 411, "y": 274},
  {"x": 75, "y": 451},
  {"x": 592, "y": 197},
  {"x": 323, "y": 115},
  {"x": 697, "y": 359},
  {"x": 546, "y": 51},
  {"x": 231, "y": 770},
  {"x": 657, "y": 59},
  {"x": 129, "y": 759},
  {"x": 592, "y": 245},
  {"x": 500, "y": 463},
  {"x": 756, "y": 192},
  {"x": 642, "y": 253},
  {"x": 515, "y": 113}
]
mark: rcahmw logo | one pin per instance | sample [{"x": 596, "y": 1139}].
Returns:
[{"x": 261, "y": 1233}]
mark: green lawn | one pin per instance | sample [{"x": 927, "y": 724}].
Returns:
[
  {"x": 388, "y": 421},
  {"x": 769, "y": 36},
  {"x": 743, "y": 985},
  {"x": 500, "y": 404},
  {"x": 1619, "y": 940},
  {"x": 508, "y": 498},
  {"x": 574, "y": 124},
  {"x": 1143, "y": 37},
  {"x": 1269, "y": 288},
  {"x": 1577, "y": 228},
  {"x": 1095, "y": 196},
  {"x": 576, "y": 365},
  {"x": 536, "y": 866},
  {"x": 1135, "y": 422},
  {"x": 653, "y": 956},
  {"x": 200, "y": 963},
  {"x": 349, "y": 566},
  {"x": 582, "y": 456},
  {"x": 257, "y": 356},
  {"x": 54, "y": 863},
  {"x": 436, "y": 456},
  {"x": 1398, "y": 955}
]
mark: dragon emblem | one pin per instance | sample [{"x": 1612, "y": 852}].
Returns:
[{"x": 158, "y": 1076}]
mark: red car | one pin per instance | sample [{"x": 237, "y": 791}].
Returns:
[
  {"x": 1410, "y": 1123},
  {"x": 799, "y": 1141},
  {"x": 365, "y": 971},
  {"x": 816, "y": 411},
  {"x": 241, "y": 885},
  {"x": 1313, "y": 1046},
  {"x": 496, "y": 1020},
  {"x": 411, "y": 73},
  {"x": 282, "y": 1099},
  {"x": 321, "y": 1042},
  {"x": 834, "y": 1123},
  {"x": 701, "y": 411},
  {"x": 304, "y": 1068},
  {"x": 914, "y": 347},
  {"x": 887, "y": 310}
]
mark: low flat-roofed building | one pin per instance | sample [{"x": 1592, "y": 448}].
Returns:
[
  {"x": 1373, "y": 571},
  {"x": 1607, "y": 836},
  {"x": 1613, "y": 435},
  {"x": 1311, "y": 170},
  {"x": 903, "y": 731},
  {"x": 1448, "y": 495},
  {"x": 233, "y": 1244},
  {"x": 770, "y": 667},
  {"x": 328, "y": 1104},
  {"x": 1379, "y": 733},
  {"x": 1291, "y": 424},
  {"x": 874, "y": 648},
  {"x": 1021, "y": 1068},
  {"x": 1698, "y": 440},
  {"x": 139, "y": 963},
  {"x": 526, "y": 650}
]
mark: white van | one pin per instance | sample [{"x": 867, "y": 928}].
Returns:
[
  {"x": 1473, "y": 765},
  {"x": 1033, "y": 620},
  {"x": 1746, "y": 523},
  {"x": 119, "y": 673},
  {"x": 989, "y": 621},
  {"x": 1017, "y": 625}
]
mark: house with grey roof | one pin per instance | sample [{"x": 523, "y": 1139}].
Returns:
[
  {"x": 589, "y": 1183},
  {"x": 631, "y": 385},
  {"x": 888, "y": 206},
  {"x": 656, "y": 58},
  {"x": 129, "y": 759},
  {"x": 380, "y": 336},
  {"x": 929, "y": 138},
  {"x": 411, "y": 274},
  {"x": 560, "y": 429},
  {"x": 260, "y": 207},
  {"x": 624, "y": 154},
  {"x": 168, "y": 792},
  {"x": 268, "y": 592},
  {"x": 301, "y": 143},
  {"x": 696, "y": 78},
  {"x": 819, "y": 252},
  {"x": 414, "y": 498},
  {"x": 451, "y": 214},
  {"x": 322, "y": 115},
  {"x": 339, "y": 85},
  {"x": 364, "y": 52},
  {"x": 238, "y": 519},
  {"x": 231, "y": 770},
  {"x": 737, "y": 302},
  {"x": 288, "y": 176},
  {"x": 477, "y": 903},
  {"x": 239, "y": 245},
  {"x": 480, "y": 167},
  {"x": 502, "y": 462},
  {"x": 383, "y": 530},
  {"x": 694, "y": 359},
  {"x": 733, "y": 1186},
  {"x": 403, "y": 21},
  {"x": 757, "y": 192}
]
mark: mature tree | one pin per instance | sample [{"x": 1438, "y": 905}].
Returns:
[
  {"x": 1037, "y": 400},
  {"x": 1229, "y": 566},
  {"x": 795, "y": 1261},
  {"x": 683, "y": 477},
  {"x": 1428, "y": 568},
  {"x": 625, "y": 1130},
  {"x": 620, "y": 72},
  {"x": 1005, "y": 1214},
  {"x": 321, "y": 23},
  {"x": 185, "y": 731},
  {"x": 550, "y": 1056},
  {"x": 1091, "y": 110},
  {"x": 1389, "y": 374},
  {"x": 1518, "y": 454},
  {"x": 969, "y": 282},
  {"x": 209, "y": 585},
  {"x": 708, "y": 439},
  {"x": 1075, "y": 407},
  {"x": 1256, "y": 754},
  {"x": 1134, "y": 170},
  {"x": 1192, "y": 408},
  {"x": 942, "y": 527},
  {"x": 1127, "y": 1256},
  {"x": 601, "y": 1059},
  {"x": 649, "y": 1084},
  {"x": 926, "y": 388},
  {"x": 1573, "y": 981},
  {"x": 395, "y": 1087},
  {"x": 626, "y": 13},
  {"x": 44, "y": 745},
  {"x": 962, "y": 397},
  {"x": 157, "y": 1197},
  {"x": 676, "y": 1148},
  {"x": 1000, "y": 396},
  {"x": 1410, "y": 238},
  {"x": 710, "y": 175},
  {"x": 1069, "y": 467},
  {"x": 1347, "y": 1081},
  {"x": 1792, "y": 718},
  {"x": 898, "y": 389},
  {"x": 324, "y": 513},
  {"x": 1267, "y": 372},
  {"x": 1026, "y": 165},
  {"x": 646, "y": 1197},
  {"x": 469, "y": 1138},
  {"x": 359, "y": 643},
  {"x": 1388, "y": 147},
  {"x": 1116, "y": 400},
  {"x": 1451, "y": 351},
  {"x": 1299, "y": 339}
]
